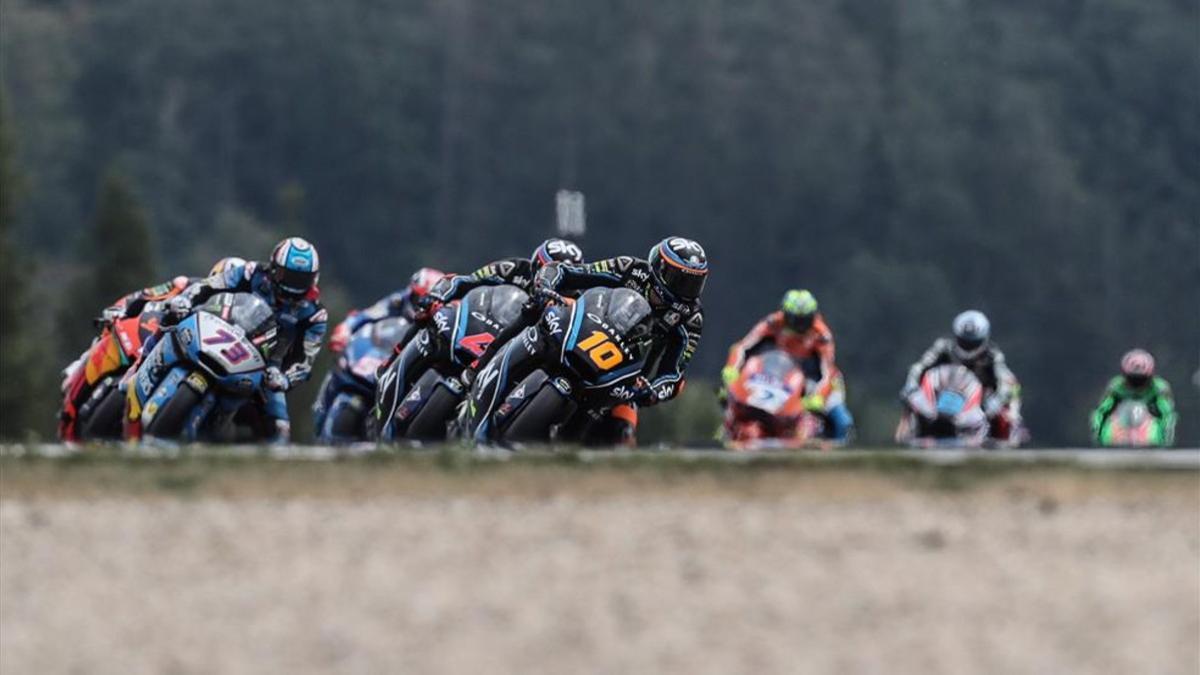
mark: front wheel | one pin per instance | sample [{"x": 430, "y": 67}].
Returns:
[
  {"x": 430, "y": 423},
  {"x": 171, "y": 418},
  {"x": 534, "y": 421},
  {"x": 104, "y": 422},
  {"x": 346, "y": 422}
]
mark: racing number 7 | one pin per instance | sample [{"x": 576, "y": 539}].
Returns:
[{"x": 602, "y": 351}]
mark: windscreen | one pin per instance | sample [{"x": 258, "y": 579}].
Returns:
[
  {"x": 506, "y": 303},
  {"x": 387, "y": 333},
  {"x": 245, "y": 310},
  {"x": 628, "y": 312},
  {"x": 777, "y": 363}
]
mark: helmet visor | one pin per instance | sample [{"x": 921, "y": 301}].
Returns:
[
  {"x": 293, "y": 282},
  {"x": 1137, "y": 381},
  {"x": 798, "y": 322},
  {"x": 970, "y": 345},
  {"x": 686, "y": 284}
]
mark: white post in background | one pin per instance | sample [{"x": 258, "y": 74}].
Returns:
[{"x": 572, "y": 218}]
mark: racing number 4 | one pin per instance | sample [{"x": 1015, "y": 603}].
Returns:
[{"x": 602, "y": 351}]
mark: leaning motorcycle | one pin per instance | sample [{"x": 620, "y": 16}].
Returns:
[
  {"x": 93, "y": 401},
  {"x": 204, "y": 369},
  {"x": 590, "y": 354},
  {"x": 946, "y": 410},
  {"x": 420, "y": 389},
  {"x": 350, "y": 385},
  {"x": 766, "y": 405}
]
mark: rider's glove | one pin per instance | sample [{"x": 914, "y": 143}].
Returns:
[
  {"x": 644, "y": 394},
  {"x": 467, "y": 377},
  {"x": 179, "y": 307},
  {"x": 729, "y": 375},
  {"x": 340, "y": 338},
  {"x": 112, "y": 314},
  {"x": 814, "y": 403},
  {"x": 543, "y": 295},
  {"x": 275, "y": 380},
  {"x": 992, "y": 406}
]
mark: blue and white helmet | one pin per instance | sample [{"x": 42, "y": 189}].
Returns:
[
  {"x": 295, "y": 266},
  {"x": 972, "y": 330}
]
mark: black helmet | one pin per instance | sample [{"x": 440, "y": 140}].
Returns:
[
  {"x": 556, "y": 250},
  {"x": 678, "y": 267}
]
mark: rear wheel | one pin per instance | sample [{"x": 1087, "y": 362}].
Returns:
[
  {"x": 534, "y": 420},
  {"x": 169, "y": 421},
  {"x": 430, "y": 423},
  {"x": 104, "y": 421}
]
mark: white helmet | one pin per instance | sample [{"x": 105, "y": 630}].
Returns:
[{"x": 971, "y": 333}]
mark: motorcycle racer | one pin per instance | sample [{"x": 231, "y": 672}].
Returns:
[
  {"x": 401, "y": 303},
  {"x": 971, "y": 346},
  {"x": 288, "y": 282},
  {"x": 519, "y": 272},
  {"x": 130, "y": 305},
  {"x": 799, "y": 329},
  {"x": 1137, "y": 382},
  {"x": 671, "y": 278}
]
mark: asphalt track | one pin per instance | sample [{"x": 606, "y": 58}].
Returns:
[{"x": 1185, "y": 459}]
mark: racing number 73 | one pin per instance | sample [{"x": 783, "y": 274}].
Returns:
[{"x": 602, "y": 351}]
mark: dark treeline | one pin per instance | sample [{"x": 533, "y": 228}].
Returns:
[{"x": 1036, "y": 159}]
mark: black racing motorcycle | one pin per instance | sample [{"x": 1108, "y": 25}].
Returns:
[
  {"x": 582, "y": 359},
  {"x": 420, "y": 389}
]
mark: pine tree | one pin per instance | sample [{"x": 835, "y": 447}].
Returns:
[
  {"x": 117, "y": 257},
  {"x": 19, "y": 355}
]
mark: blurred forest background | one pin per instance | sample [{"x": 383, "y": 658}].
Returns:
[{"x": 1036, "y": 159}]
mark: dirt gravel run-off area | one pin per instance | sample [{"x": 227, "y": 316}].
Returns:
[{"x": 376, "y": 567}]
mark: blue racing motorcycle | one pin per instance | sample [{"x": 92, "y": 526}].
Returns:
[
  {"x": 204, "y": 369},
  {"x": 349, "y": 388}
]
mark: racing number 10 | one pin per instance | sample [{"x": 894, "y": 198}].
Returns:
[{"x": 602, "y": 351}]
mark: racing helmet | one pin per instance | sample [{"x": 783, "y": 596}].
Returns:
[
  {"x": 1138, "y": 367},
  {"x": 221, "y": 266},
  {"x": 678, "y": 268},
  {"x": 799, "y": 310},
  {"x": 555, "y": 250},
  {"x": 972, "y": 330},
  {"x": 295, "y": 266},
  {"x": 420, "y": 283}
]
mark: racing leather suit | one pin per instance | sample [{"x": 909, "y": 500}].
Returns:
[
  {"x": 301, "y": 321},
  {"x": 1156, "y": 394},
  {"x": 814, "y": 351},
  {"x": 676, "y": 331},
  {"x": 127, "y": 306}
]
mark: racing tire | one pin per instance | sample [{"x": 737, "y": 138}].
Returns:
[
  {"x": 430, "y": 423},
  {"x": 104, "y": 422},
  {"x": 346, "y": 424},
  {"x": 169, "y": 421},
  {"x": 533, "y": 422}
]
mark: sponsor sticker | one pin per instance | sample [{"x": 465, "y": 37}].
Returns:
[{"x": 197, "y": 381}]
